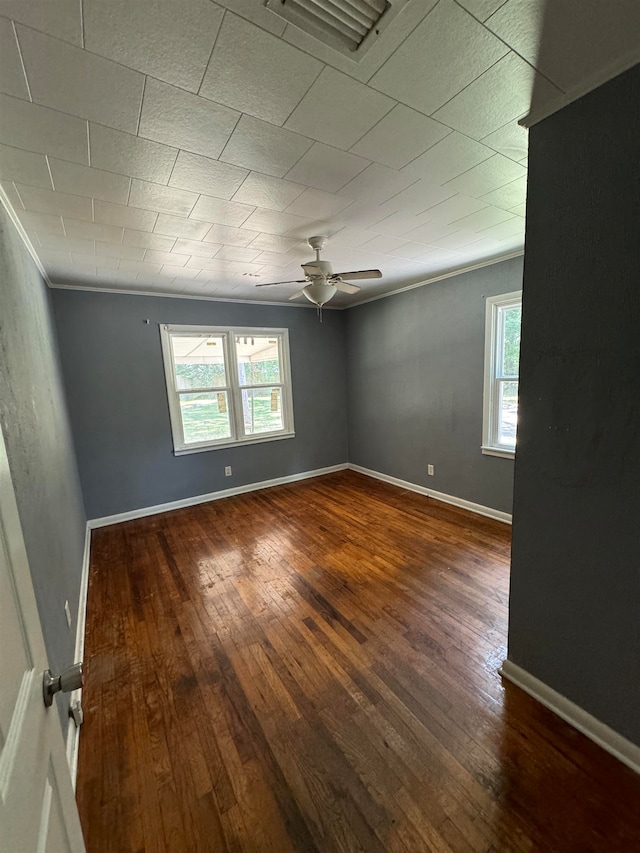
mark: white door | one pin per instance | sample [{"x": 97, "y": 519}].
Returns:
[{"x": 37, "y": 805}]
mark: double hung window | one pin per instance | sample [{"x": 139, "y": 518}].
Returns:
[
  {"x": 227, "y": 386},
  {"x": 501, "y": 368}
]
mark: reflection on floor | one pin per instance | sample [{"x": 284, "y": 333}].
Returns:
[{"x": 313, "y": 667}]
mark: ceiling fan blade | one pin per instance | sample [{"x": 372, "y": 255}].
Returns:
[
  {"x": 296, "y": 295},
  {"x": 346, "y": 288},
  {"x": 359, "y": 274},
  {"x": 273, "y": 283}
]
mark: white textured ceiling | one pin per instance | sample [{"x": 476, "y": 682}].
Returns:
[{"x": 187, "y": 146}]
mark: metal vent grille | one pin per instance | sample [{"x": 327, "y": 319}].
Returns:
[{"x": 342, "y": 24}]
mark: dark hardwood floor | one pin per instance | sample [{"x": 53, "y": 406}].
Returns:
[{"x": 313, "y": 667}]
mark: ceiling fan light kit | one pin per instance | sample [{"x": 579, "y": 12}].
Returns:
[
  {"x": 319, "y": 292},
  {"x": 321, "y": 283}
]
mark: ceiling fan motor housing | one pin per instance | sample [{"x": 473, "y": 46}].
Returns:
[{"x": 318, "y": 269}]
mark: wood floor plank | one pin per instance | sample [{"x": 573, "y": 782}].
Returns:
[{"x": 312, "y": 668}]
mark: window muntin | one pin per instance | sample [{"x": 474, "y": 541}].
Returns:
[
  {"x": 227, "y": 386},
  {"x": 502, "y": 356}
]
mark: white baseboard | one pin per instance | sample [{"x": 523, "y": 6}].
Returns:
[
  {"x": 438, "y": 496},
  {"x": 212, "y": 496},
  {"x": 607, "y": 738},
  {"x": 73, "y": 732}
]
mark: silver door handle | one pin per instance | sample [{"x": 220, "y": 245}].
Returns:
[{"x": 68, "y": 680}]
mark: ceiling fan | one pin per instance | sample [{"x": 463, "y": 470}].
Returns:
[{"x": 321, "y": 283}]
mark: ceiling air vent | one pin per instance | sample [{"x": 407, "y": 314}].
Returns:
[{"x": 342, "y": 24}]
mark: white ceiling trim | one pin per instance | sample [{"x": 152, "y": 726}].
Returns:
[
  {"x": 603, "y": 75},
  {"x": 433, "y": 280},
  {"x": 23, "y": 235},
  {"x": 488, "y": 263},
  {"x": 122, "y": 291}
]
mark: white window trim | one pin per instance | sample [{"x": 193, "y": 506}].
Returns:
[
  {"x": 234, "y": 390},
  {"x": 492, "y": 346}
]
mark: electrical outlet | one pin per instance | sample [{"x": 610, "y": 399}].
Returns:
[
  {"x": 431, "y": 470},
  {"x": 227, "y": 471},
  {"x": 67, "y": 611}
]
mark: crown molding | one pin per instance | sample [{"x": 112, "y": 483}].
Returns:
[
  {"x": 4, "y": 199},
  {"x": 604, "y": 75}
]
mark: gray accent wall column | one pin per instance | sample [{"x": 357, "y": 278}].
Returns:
[
  {"x": 34, "y": 422},
  {"x": 575, "y": 583},
  {"x": 415, "y": 385}
]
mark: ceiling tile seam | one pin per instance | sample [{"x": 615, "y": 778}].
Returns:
[
  {"x": 395, "y": 50},
  {"x": 17, "y": 191},
  {"x": 82, "y": 40},
  {"x": 53, "y": 185},
  {"x": 372, "y": 226},
  {"x": 88, "y": 145},
  {"x": 128, "y": 194},
  {"x": 111, "y": 172},
  {"x": 311, "y": 142},
  {"x": 164, "y": 144},
  {"x": 233, "y": 130},
  {"x": 22, "y": 65},
  {"x": 394, "y": 105},
  {"x": 481, "y": 210},
  {"x": 213, "y": 47},
  {"x": 69, "y": 115},
  {"x": 495, "y": 150},
  {"x": 505, "y": 222},
  {"x": 175, "y": 86},
  {"x": 420, "y": 212},
  {"x": 82, "y": 50},
  {"x": 333, "y": 148},
  {"x": 502, "y": 127},
  {"x": 306, "y": 92},
  {"x": 126, "y": 67},
  {"x": 480, "y": 20},
  {"x": 144, "y": 89},
  {"x": 512, "y": 49},
  {"x": 492, "y": 156},
  {"x": 178, "y": 150},
  {"x": 471, "y": 82},
  {"x": 453, "y": 130},
  {"x": 399, "y": 103},
  {"x": 510, "y": 181},
  {"x": 276, "y": 210}
]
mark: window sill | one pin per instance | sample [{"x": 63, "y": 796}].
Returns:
[
  {"x": 203, "y": 448},
  {"x": 498, "y": 451}
]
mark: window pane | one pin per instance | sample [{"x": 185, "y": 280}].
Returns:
[
  {"x": 508, "y": 413},
  {"x": 258, "y": 360},
  {"x": 511, "y": 348},
  {"x": 205, "y": 417},
  {"x": 199, "y": 362},
  {"x": 262, "y": 409}
]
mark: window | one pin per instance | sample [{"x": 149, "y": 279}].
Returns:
[
  {"x": 501, "y": 361},
  {"x": 227, "y": 386}
]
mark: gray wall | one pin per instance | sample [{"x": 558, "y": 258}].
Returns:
[
  {"x": 415, "y": 385},
  {"x": 37, "y": 436},
  {"x": 117, "y": 396},
  {"x": 575, "y": 582}
]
